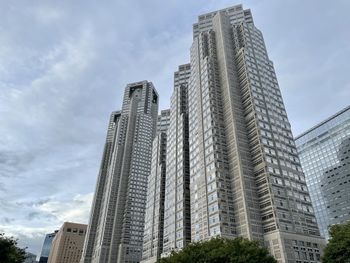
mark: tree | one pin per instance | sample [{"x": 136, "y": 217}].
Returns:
[
  {"x": 221, "y": 250},
  {"x": 9, "y": 252},
  {"x": 338, "y": 247}
]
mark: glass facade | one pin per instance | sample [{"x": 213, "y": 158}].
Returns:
[
  {"x": 321, "y": 150},
  {"x": 45, "y": 251}
]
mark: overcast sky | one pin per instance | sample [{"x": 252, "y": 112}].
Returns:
[{"x": 64, "y": 65}]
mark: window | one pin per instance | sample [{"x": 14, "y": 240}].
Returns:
[{"x": 311, "y": 256}]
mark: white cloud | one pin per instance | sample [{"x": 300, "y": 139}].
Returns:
[
  {"x": 44, "y": 217},
  {"x": 54, "y": 210},
  {"x": 75, "y": 210},
  {"x": 30, "y": 232},
  {"x": 47, "y": 14},
  {"x": 64, "y": 65}
]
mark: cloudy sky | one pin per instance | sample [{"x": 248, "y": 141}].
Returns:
[{"x": 64, "y": 65}]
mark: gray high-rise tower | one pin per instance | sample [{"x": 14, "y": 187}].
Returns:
[
  {"x": 154, "y": 216},
  {"x": 116, "y": 223},
  {"x": 163, "y": 121},
  {"x": 167, "y": 222},
  {"x": 177, "y": 219},
  {"x": 246, "y": 178}
]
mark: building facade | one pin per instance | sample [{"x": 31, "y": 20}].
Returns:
[
  {"x": 67, "y": 245},
  {"x": 154, "y": 215},
  {"x": 45, "y": 251},
  {"x": 324, "y": 156},
  {"x": 99, "y": 196},
  {"x": 117, "y": 216},
  {"x": 177, "y": 221},
  {"x": 246, "y": 178},
  {"x": 163, "y": 121}
]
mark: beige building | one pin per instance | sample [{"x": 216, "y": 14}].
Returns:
[
  {"x": 68, "y": 243},
  {"x": 245, "y": 174}
]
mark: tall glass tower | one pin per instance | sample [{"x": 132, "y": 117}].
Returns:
[
  {"x": 116, "y": 223},
  {"x": 45, "y": 251},
  {"x": 324, "y": 156},
  {"x": 245, "y": 178}
]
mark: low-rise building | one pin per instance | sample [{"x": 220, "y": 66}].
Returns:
[{"x": 67, "y": 246}]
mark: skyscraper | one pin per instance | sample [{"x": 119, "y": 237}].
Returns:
[
  {"x": 96, "y": 209},
  {"x": 67, "y": 245},
  {"x": 246, "y": 178},
  {"x": 45, "y": 251},
  {"x": 163, "y": 121},
  {"x": 117, "y": 216},
  {"x": 171, "y": 202},
  {"x": 177, "y": 229},
  {"x": 154, "y": 215},
  {"x": 324, "y": 156}
]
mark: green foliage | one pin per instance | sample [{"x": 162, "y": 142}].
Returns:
[
  {"x": 9, "y": 252},
  {"x": 221, "y": 250},
  {"x": 338, "y": 248}
]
